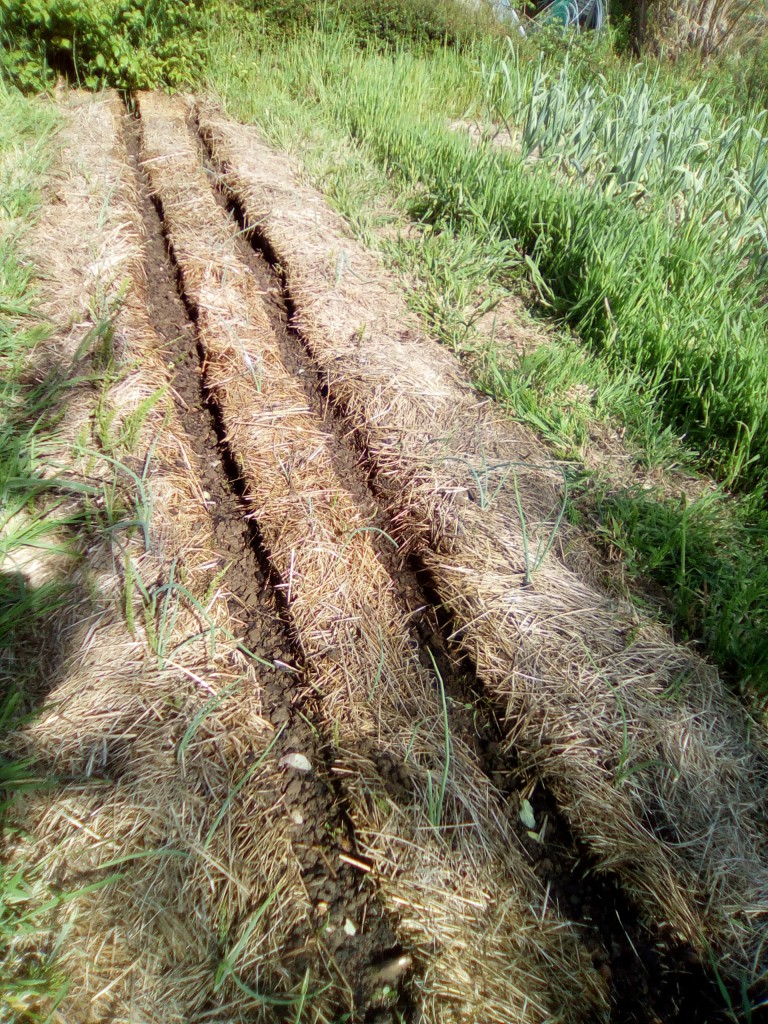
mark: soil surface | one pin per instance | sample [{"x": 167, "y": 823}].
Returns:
[
  {"x": 321, "y": 830},
  {"x": 374, "y": 857},
  {"x": 652, "y": 979}
]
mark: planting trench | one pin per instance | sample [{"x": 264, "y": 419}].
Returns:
[
  {"x": 648, "y": 756},
  {"x": 427, "y": 819},
  {"x": 150, "y": 727},
  {"x": 338, "y": 498}
]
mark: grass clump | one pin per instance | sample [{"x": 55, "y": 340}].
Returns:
[
  {"x": 710, "y": 556},
  {"x": 382, "y": 24},
  {"x": 26, "y": 131}
]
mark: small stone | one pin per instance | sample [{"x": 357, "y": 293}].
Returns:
[
  {"x": 298, "y": 761},
  {"x": 390, "y": 969},
  {"x": 297, "y": 817},
  {"x": 350, "y": 927}
]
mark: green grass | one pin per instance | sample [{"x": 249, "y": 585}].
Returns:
[
  {"x": 142, "y": 44},
  {"x": 675, "y": 297},
  {"x": 710, "y": 556},
  {"x": 667, "y": 323},
  {"x": 672, "y": 303},
  {"x": 26, "y": 131}
]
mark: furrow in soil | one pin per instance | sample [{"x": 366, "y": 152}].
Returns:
[
  {"x": 431, "y": 833},
  {"x": 638, "y": 742},
  {"x": 167, "y": 824},
  {"x": 319, "y": 827},
  {"x": 651, "y": 977}
]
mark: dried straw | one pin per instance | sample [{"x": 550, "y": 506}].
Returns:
[
  {"x": 143, "y": 755},
  {"x": 485, "y": 945},
  {"x": 647, "y": 754}
]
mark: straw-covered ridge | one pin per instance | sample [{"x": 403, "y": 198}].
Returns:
[
  {"x": 150, "y": 875},
  {"x": 645, "y": 751},
  {"x": 484, "y": 943}
]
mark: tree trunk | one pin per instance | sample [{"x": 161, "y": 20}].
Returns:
[{"x": 639, "y": 25}]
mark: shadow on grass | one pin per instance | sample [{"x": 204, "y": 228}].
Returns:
[
  {"x": 711, "y": 568},
  {"x": 31, "y": 664}
]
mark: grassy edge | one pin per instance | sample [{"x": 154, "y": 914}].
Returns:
[
  {"x": 46, "y": 513},
  {"x": 26, "y": 134}
]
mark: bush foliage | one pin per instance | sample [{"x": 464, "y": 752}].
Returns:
[
  {"x": 140, "y": 44},
  {"x": 126, "y": 43}
]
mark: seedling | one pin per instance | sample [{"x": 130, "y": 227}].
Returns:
[
  {"x": 543, "y": 547},
  {"x": 486, "y": 492},
  {"x": 436, "y": 795},
  {"x": 208, "y": 709}
]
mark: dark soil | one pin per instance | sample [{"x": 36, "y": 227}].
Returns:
[
  {"x": 321, "y": 830},
  {"x": 652, "y": 979}
]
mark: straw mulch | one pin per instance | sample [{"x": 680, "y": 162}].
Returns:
[
  {"x": 484, "y": 944},
  {"x": 645, "y": 751},
  {"x": 147, "y": 729}
]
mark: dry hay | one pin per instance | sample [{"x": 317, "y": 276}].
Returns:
[
  {"x": 645, "y": 751},
  {"x": 445, "y": 860},
  {"x": 147, "y": 733}
]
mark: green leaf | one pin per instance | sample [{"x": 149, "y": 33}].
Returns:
[{"x": 527, "y": 816}]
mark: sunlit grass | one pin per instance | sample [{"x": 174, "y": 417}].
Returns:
[{"x": 678, "y": 299}]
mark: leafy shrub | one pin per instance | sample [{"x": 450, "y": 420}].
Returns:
[
  {"x": 125, "y": 43},
  {"x": 135, "y": 44}
]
